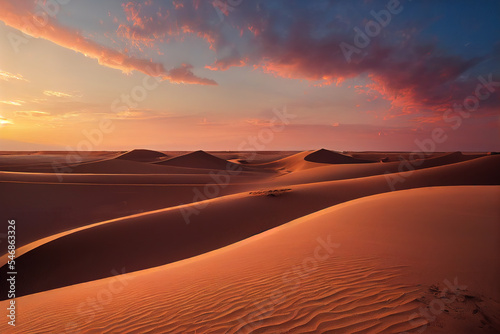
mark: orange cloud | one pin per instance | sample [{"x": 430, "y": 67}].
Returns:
[
  {"x": 183, "y": 74},
  {"x": 15, "y": 13},
  {"x": 132, "y": 11}
]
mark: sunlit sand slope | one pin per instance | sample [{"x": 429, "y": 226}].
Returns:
[{"x": 368, "y": 265}]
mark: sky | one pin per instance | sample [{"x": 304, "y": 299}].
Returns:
[{"x": 250, "y": 75}]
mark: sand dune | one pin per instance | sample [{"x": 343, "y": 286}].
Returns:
[
  {"x": 206, "y": 251},
  {"x": 166, "y": 233},
  {"x": 389, "y": 169},
  {"x": 118, "y": 166},
  {"x": 253, "y": 157},
  {"x": 200, "y": 159},
  {"x": 445, "y": 159},
  {"x": 287, "y": 164},
  {"x": 141, "y": 155},
  {"x": 49, "y": 162},
  {"x": 175, "y": 176},
  {"x": 337, "y": 270},
  {"x": 64, "y": 209},
  {"x": 330, "y": 157},
  {"x": 87, "y": 194},
  {"x": 397, "y": 156}
]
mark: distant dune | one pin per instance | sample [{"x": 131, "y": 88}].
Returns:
[
  {"x": 122, "y": 166},
  {"x": 331, "y": 157},
  {"x": 142, "y": 155},
  {"x": 199, "y": 159}
]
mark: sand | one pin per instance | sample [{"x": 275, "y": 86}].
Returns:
[
  {"x": 142, "y": 155},
  {"x": 309, "y": 242}
]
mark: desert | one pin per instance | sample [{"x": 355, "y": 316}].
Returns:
[
  {"x": 249, "y": 166},
  {"x": 290, "y": 245}
]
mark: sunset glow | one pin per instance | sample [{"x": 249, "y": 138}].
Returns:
[
  {"x": 186, "y": 75},
  {"x": 250, "y": 166}
]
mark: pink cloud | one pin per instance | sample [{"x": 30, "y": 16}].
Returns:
[
  {"x": 21, "y": 15},
  {"x": 183, "y": 74},
  {"x": 226, "y": 63},
  {"x": 413, "y": 76}
]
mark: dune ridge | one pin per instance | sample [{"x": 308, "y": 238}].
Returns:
[
  {"x": 199, "y": 159},
  {"x": 142, "y": 155},
  {"x": 331, "y": 157}
]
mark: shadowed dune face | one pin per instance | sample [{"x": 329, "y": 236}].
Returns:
[
  {"x": 200, "y": 159},
  {"x": 315, "y": 241},
  {"x": 141, "y": 155},
  {"x": 331, "y": 157},
  {"x": 445, "y": 159},
  {"x": 398, "y": 156},
  {"x": 48, "y": 162},
  {"x": 335, "y": 270},
  {"x": 117, "y": 166}
]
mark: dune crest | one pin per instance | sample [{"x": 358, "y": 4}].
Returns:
[
  {"x": 330, "y": 157},
  {"x": 200, "y": 159},
  {"x": 142, "y": 155}
]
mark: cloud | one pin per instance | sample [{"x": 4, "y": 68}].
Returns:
[
  {"x": 260, "y": 122},
  {"x": 138, "y": 114},
  {"x": 300, "y": 40},
  {"x": 5, "y": 121},
  {"x": 290, "y": 39},
  {"x": 183, "y": 74},
  {"x": 132, "y": 10},
  {"x": 6, "y": 76},
  {"x": 226, "y": 63},
  {"x": 22, "y": 15},
  {"x": 13, "y": 103},
  {"x": 31, "y": 113},
  {"x": 56, "y": 94}
]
